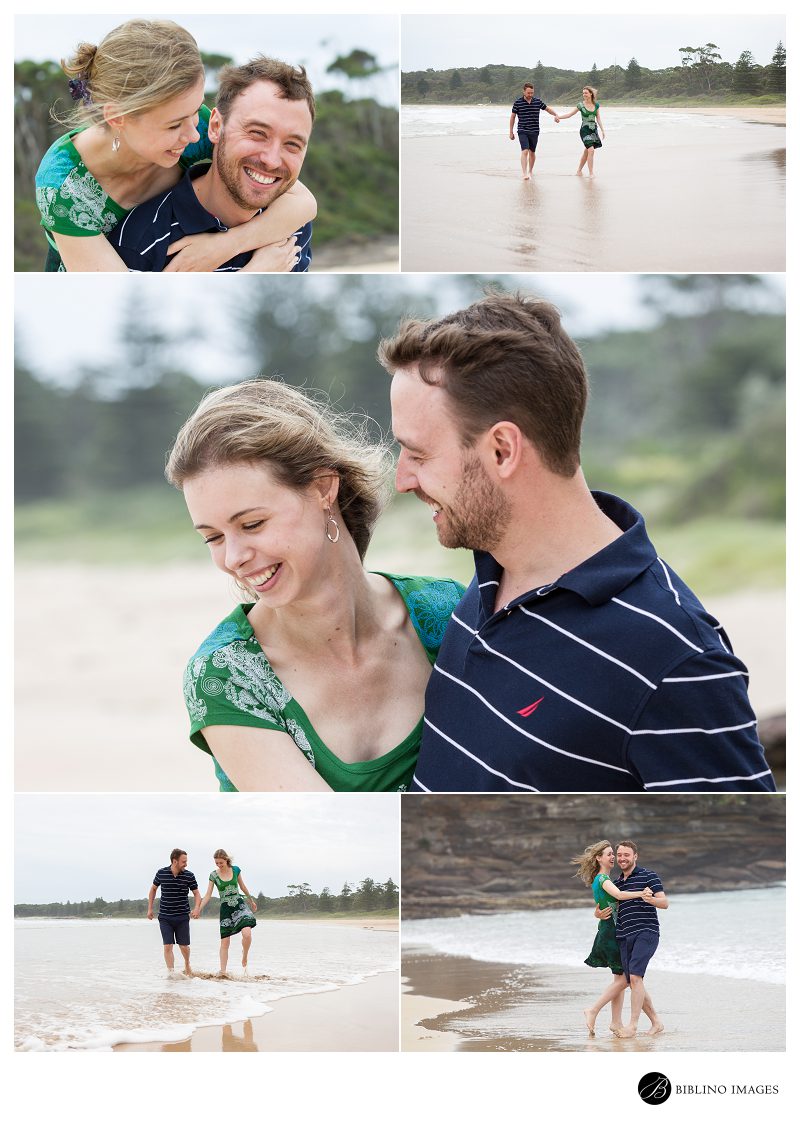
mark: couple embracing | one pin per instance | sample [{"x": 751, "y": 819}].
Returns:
[{"x": 627, "y": 934}]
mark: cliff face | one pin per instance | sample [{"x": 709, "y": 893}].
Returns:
[{"x": 496, "y": 853}]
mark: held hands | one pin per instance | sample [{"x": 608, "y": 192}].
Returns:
[
  {"x": 195, "y": 913},
  {"x": 557, "y": 119},
  {"x": 647, "y": 895}
]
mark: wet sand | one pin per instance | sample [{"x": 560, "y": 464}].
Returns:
[
  {"x": 381, "y": 255},
  {"x": 504, "y": 1008},
  {"x": 362, "y": 1018},
  {"x": 102, "y": 708},
  {"x": 668, "y": 197}
]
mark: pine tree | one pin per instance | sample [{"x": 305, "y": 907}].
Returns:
[{"x": 776, "y": 71}]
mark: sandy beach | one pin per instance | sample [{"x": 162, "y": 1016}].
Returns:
[
  {"x": 502, "y": 1008},
  {"x": 676, "y": 190},
  {"x": 113, "y": 718},
  {"x": 360, "y": 1018}
]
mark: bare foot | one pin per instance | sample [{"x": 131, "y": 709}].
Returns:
[
  {"x": 579, "y": 172},
  {"x": 655, "y": 1029},
  {"x": 222, "y": 973},
  {"x": 615, "y": 1029},
  {"x": 590, "y": 1017},
  {"x": 526, "y": 177},
  {"x": 626, "y": 1032},
  {"x": 188, "y": 971}
]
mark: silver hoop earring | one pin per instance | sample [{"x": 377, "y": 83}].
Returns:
[
  {"x": 115, "y": 144},
  {"x": 335, "y": 536}
]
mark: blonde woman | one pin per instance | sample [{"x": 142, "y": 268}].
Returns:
[
  {"x": 594, "y": 869},
  {"x": 139, "y": 122},
  {"x": 316, "y": 682},
  {"x": 236, "y": 907},
  {"x": 591, "y": 127}
]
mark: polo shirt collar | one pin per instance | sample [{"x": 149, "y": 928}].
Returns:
[
  {"x": 191, "y": 215},
  {"x": 621, "y": 878},
  {"x": 601, "y": 576}
]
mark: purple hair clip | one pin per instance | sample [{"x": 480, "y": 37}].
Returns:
[{"x": 79, "y": 89}]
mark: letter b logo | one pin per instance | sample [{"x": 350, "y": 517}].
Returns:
[{"x": 654, "y": 1088}]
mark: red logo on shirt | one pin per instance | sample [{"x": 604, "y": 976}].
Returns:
[{"x": 526, "y": 712}]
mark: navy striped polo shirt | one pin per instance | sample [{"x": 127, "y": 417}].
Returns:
[
  {"x": 528, "y": 113},
  {"x": 174, "y": 899},
  {"x": 634, "y": 916},
  {"x": 612, "y": 678},
  {"x": 143, "y": 237}
]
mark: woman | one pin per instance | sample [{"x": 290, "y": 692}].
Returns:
[
  {"x": 139, "y": 122},
  {"x": 235, "y": 914},
  {"x": 594, "y": 869},
  {"x": 589, "y": 110},
  {"x": 317, "y": 682}
]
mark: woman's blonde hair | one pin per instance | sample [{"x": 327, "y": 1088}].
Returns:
[
  {"x": 300, "y": 438},
  {"x": 137, "y": 66},
  {"x": 588, "y": 866},
  {"x": 221, "y": 853},
  {"x": 593, "y": 92}
]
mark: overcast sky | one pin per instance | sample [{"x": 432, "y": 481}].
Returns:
[
  {"x": 78, "y": 847},
  {"x": 82, "y": 328},
  {"x": 313, "y": 41},
  {"x": 576, "y": 42}
]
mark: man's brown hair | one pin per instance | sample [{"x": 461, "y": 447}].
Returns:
[
  {"x": 176, "y": 853},
  {"x": 528, "y": 86},
  {"x": 504, "y": 358},
  {"x": 629, "y": 845},
  {"x": 292, "y": 81}
]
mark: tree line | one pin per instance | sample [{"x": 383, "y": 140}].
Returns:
[
  {"x": 351, "y": 165},
  {"x": 367, "y": 895},
  {"x": 700, "y": 74}
]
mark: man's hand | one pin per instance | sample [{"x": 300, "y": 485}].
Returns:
[
  {"x": 647, "y": 892},
  {"x": 149, "y": 913},
  {"x": 556, "y": 118},
  {"x": 511, "y": 136},
  {"x": 605, "y": 913},
  {"x": 195, "y": 914}
]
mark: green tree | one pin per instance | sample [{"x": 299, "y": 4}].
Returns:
[
  {"x": 633, "y": 75},
  {"x": 358, "y": 64},
  {"x": 423, "y": 85},
  {"x": 776, "y": 71},
  {"x": 346, "y": 898},
  {"x": 538, "y": 76},
  {"x": 391, "y": 894},
  {"x": 455, "y": 81},
  {"x": 702, "y": 62},
  {"x": 745, "y": 79},
  {"x": 486, "y": 76}
]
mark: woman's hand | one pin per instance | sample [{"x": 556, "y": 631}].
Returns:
[
  {"x": 253, "y": 904},
  {"x": 280, "y": 257},
  {"x": 198, "y": 253}
]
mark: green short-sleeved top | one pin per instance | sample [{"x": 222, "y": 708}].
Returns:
[
  {"x": 229, "y": 681},
  {"x": 226, "y": 888},
  {"x": 589, "y": 116},
  {"x": 70, "y": 199},
  {"x": 601, "y": 897}
]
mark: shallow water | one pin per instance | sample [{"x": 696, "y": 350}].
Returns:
[
  {"x": 723, "y": 934},
  {"x": 91, "y": 984},
  {"x": 674, "y": 191}
]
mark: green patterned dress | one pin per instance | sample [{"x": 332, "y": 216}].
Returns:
[
  {"x": 605, "y": 949},
  {"x": 234, "y": 911},
  {"x": 589, "y": 134},
  {"x": 229, "y": 681}
]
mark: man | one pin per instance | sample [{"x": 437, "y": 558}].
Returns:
[
  {"x": 260, "y": 129},
  {"x": 175, "y": 882},
  {"x": 526, "y": 109},
  {"x": 637, "y": 931},
  {"x": 577, "y": 660}
]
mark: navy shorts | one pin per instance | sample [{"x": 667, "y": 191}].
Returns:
[
  {"x": 636, "y": 952},
  {"x": 174, "y": 929},
  {"x": 527, "y": 139}
]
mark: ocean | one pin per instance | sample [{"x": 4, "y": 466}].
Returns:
[
  {"x": 93, "y": 983},
  {"x": 739, "y": 935}
]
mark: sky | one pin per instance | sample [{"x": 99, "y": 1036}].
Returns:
[
  {"x": 313, "y": 41},
  {"x": 575, "y": 42},
  {"x": 82, "y": 331},
  {"x": 81, "y": 846}
]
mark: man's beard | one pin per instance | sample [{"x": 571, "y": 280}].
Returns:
[
  {"x": 228, "y": 169},
  {"x": 479, "y": 513}
]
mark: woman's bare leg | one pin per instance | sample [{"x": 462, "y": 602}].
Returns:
[
  {"x": 247, "y": 938},
  {"x": 616, "y": 989},
  {"x": 224, "y": 945},
  {"x": 582, "y": 164},
  {"x": 590, "y": 154}
]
